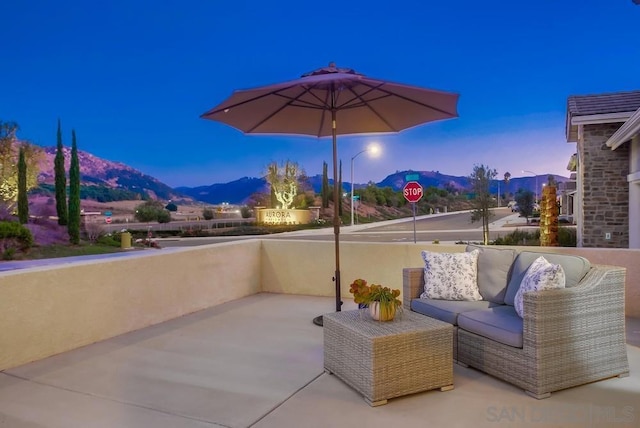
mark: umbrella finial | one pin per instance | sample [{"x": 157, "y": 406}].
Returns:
[{"x": 330, "y": 70}]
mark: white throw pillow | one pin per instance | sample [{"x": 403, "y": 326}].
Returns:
[
  {"x": 451, "y": 276},
  {"x": 541, "y": 275}
]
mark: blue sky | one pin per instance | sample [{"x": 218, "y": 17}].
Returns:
[{"x": 133, "y": 77}]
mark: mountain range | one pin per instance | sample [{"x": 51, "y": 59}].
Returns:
[
  {"x": 95, "y": 171},
  {"x": 238, "y": 191}
]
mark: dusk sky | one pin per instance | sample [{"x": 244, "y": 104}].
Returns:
[{"x": 133, "y": 77}]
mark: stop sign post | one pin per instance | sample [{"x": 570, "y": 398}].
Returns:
[{"x": 412, "y": 192}]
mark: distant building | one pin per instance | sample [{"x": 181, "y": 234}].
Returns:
[{"x": 606, "y": 201}]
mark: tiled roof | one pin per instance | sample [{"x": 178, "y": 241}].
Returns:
[{"x": 616, "y": 102}]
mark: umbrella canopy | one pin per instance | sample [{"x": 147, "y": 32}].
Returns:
[
  {"x": 333, "y": 101},
  {"x": 304, "y": 106}
]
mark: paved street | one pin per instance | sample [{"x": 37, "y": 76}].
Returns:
[{"x": 444, "y": 227}]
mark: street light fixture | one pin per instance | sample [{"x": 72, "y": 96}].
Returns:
[
  {"x": 373, "y": 149},
  {"x": 531, "y": 172}
]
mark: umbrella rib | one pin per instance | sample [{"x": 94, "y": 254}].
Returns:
[
  {"x": 380, "y": 88},
  {"x": 229, "y": 107},
  {"x": 366, "y": 104},
  {"x": 290, "y": 102},
  {"x": 322, "y": 105}
]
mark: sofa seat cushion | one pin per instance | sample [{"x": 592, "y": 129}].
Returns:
[
  {"x": 494, "y": 266},
  {"x": 501, "y": 324},
  {"x": 575, "y": 268},
  {"x": 447, "y": 310}
]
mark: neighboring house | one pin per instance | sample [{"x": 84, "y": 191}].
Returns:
[{"x": 606, "y": 202}]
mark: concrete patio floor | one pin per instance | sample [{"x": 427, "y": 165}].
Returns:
[{"x": 258, "y": 362}]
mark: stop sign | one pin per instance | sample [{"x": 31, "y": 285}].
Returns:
[{"x": 412, "y": 191}]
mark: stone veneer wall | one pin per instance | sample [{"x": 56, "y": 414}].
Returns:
[{"x": 605, "y": 191}]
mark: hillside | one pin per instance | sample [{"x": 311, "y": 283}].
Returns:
[{"x": 95, "y": 171}]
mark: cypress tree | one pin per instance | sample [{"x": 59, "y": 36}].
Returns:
[
  {"x": 23, "y": 201},
  {"x": 74, "y": 193},
  {"x": 340, "y": 188},
  {"x": 325, "y": 186},
  {"x": 60, "y": 181}
]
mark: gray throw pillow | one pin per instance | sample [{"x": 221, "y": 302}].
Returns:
[{"x": 494, "y": 266}]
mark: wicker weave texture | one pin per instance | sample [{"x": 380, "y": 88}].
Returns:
[
  {"x": 383, "y": 360},
  {"x": 412, "y": 287},
  {"x": 571, "y": 337}
]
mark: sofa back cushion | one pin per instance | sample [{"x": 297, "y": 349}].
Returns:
[
  {"x": 575, "y": 268},
  {"x": 451, "y": 276},
  {"x": 494, "y": 266}
]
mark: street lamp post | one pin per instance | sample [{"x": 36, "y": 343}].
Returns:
[
  {"x": 531, "y": 172},
  {"x": 373, "y": 149}
]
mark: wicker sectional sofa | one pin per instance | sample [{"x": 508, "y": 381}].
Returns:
[{"x": 566, "y": 337}]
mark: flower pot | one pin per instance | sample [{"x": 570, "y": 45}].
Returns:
[{"x": 382, "y": 312}]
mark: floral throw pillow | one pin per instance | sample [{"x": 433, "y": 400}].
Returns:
[
  {"x": 541, "y": 275},
  {"x": 451, "y": 276}
]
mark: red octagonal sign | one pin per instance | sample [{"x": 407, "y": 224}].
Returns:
[{"x": 412, "y": 191}]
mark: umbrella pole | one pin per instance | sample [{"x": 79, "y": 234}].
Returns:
[
  {"x": 336, "y": 220},
  {"x": 336, "y": 213}
]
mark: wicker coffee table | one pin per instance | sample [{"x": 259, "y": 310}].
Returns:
[{"x": 383, "y": 360}]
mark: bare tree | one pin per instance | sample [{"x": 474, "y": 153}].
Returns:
[
  {"x": 525, "y": 200},
  {"x": 480, "y": 179},
  {"x": 284, "y": 182},
  {"x": 93, "y": 229}
]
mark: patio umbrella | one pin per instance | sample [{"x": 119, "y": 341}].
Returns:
[{"x": 333, "y": 101}]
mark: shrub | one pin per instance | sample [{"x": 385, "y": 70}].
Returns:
[
  {"x": 246, "y": 212},
  {"x": 567, "y": 236},
  {"x": 8, "y": 254},
  {"x": 152, "y": 211},
  {"x": 164, "y": 217},
  {"x": 14, "y": 236},
  {"x": 93, "y": 230},
  {"x": 207, "y": 214},
  {"x": 519, "y": 237},
  {"x": 110, "y": 239}
]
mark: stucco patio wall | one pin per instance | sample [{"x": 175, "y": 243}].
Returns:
[
  {"x": 307, "y": 267},
  {"x": 49, "y": 310}
]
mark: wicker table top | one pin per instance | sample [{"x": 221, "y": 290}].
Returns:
[{"x": 405, "y": 321}]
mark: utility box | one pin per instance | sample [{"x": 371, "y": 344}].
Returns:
[{"x": 125, "y": 240}]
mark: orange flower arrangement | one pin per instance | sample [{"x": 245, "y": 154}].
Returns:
[{"x": 365, "y": 294}]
